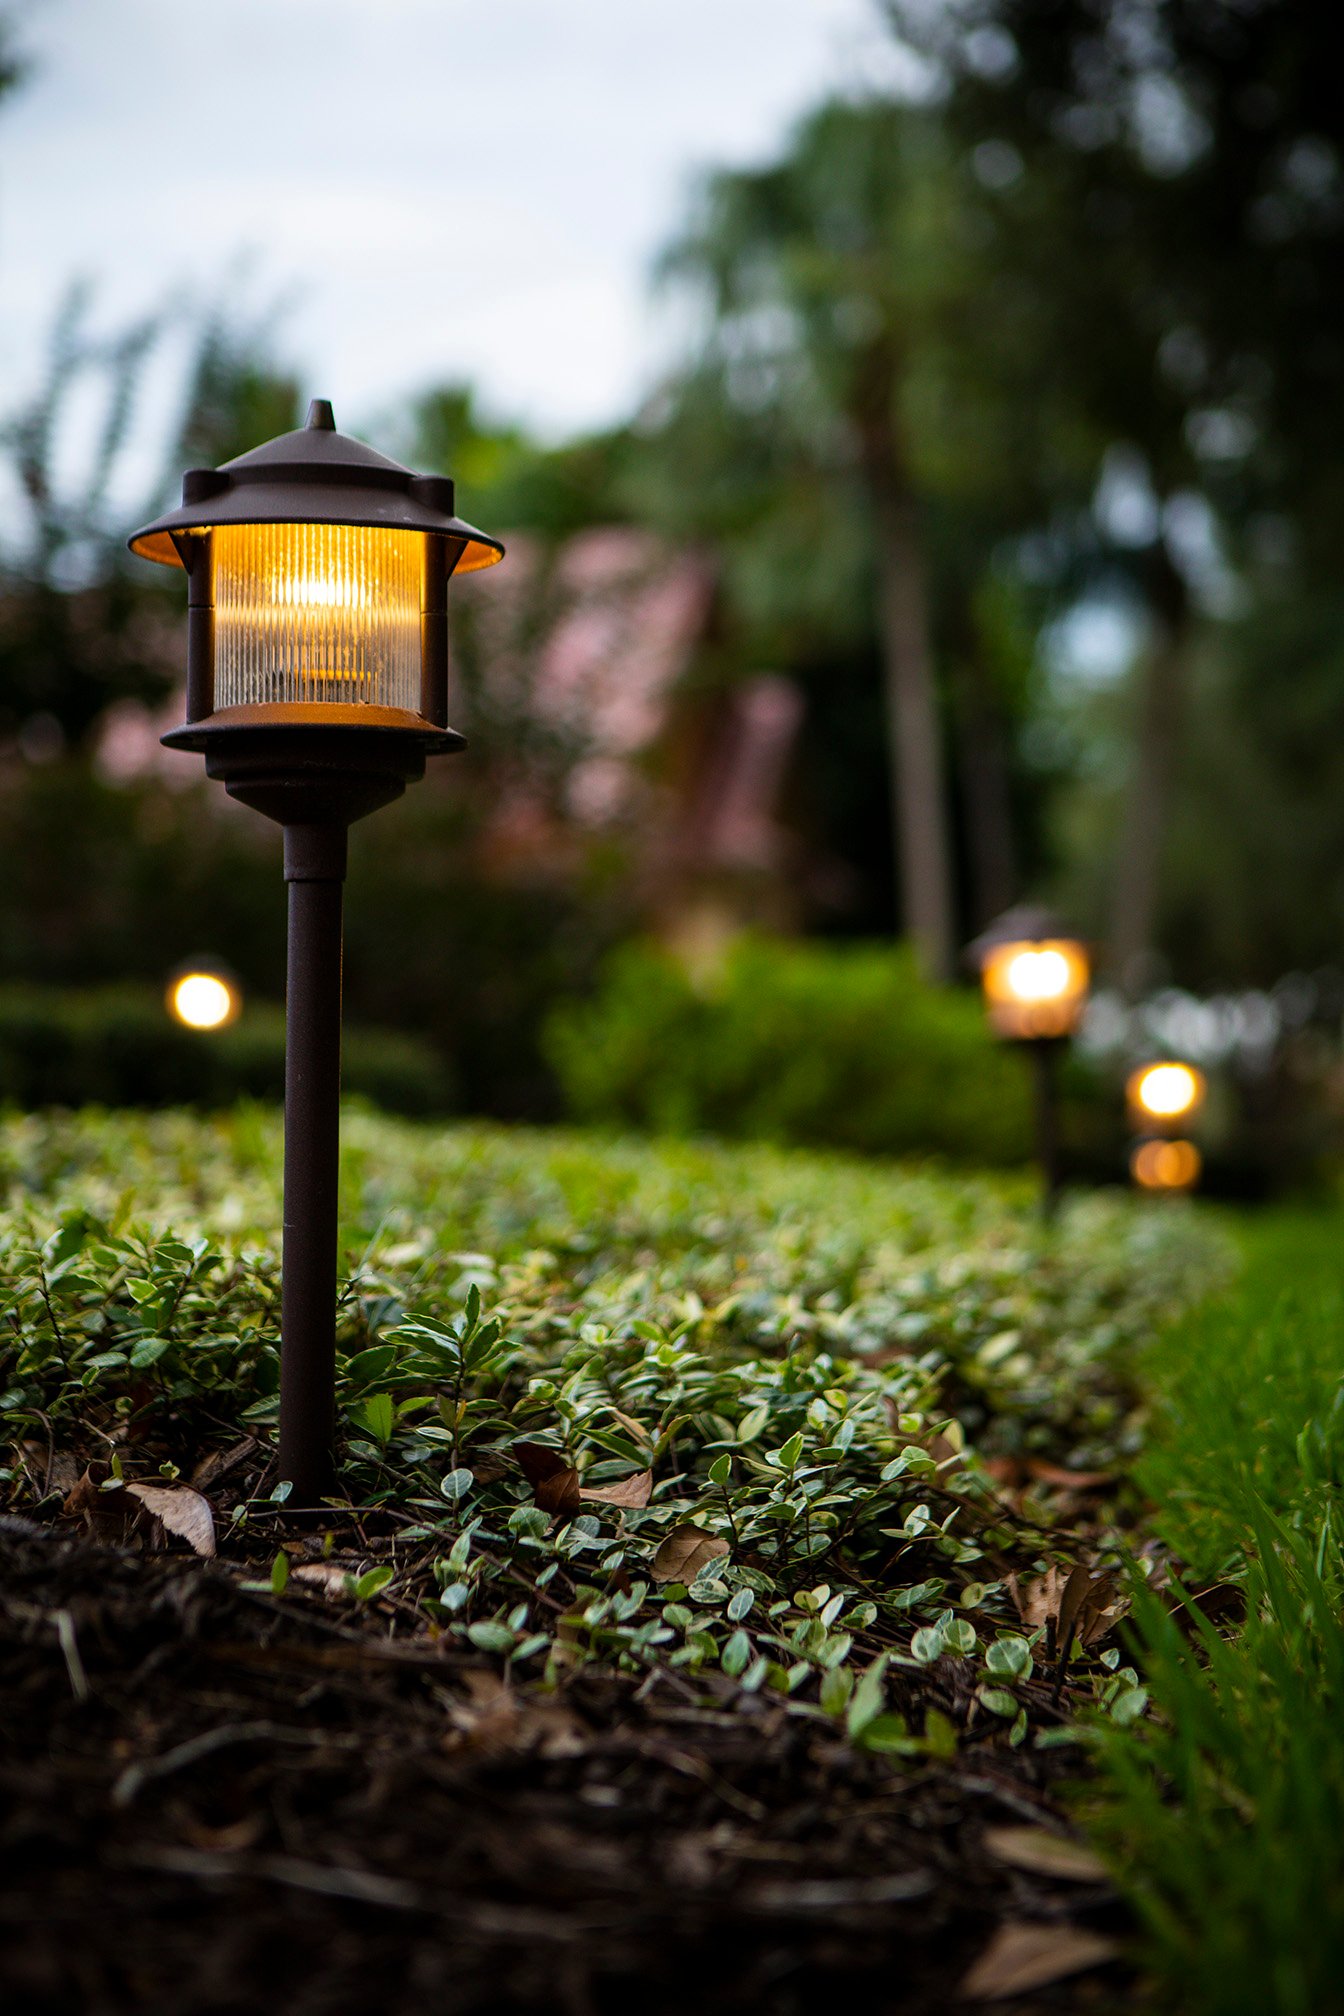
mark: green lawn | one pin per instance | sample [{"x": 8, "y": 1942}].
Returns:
[{"x": 1226, "y": 1815}]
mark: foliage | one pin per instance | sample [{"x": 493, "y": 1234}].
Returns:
[
  {"x": 1225, "y": 1818},
  {"x": 672, "y": 1406},
  {"x": 115, "y": 885},
  {"x": 839, "y": 1045},
  {"x": 117, "y": 1046}
]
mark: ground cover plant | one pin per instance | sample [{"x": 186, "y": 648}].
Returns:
[
  {"x": 814, "y": 1455},
  {"x": 1226, "y": 1814}
]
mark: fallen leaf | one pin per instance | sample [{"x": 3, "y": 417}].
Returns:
[
  {"x": 179, "y": 1510},
  {"x": 323, "y": 1577},
  {"x": 559, "y": 1493},
  {"x": 1021, "y": 1957},
  {"x": 554, "y": 1480},
  {"x": 629, "y": 1423},
  {"x": 497, "y": 1719},
  {"x": 684, "y": 1553},
  {"x": 633, "y": 1491},
  {"x": 1045, "y": 1854},
  {"x": 1037, "y": 1601},
  {"x": 538, "y": 1462}
]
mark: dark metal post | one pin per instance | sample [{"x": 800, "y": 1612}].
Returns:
[
  {"x": 1045, "y": 1089},
  {"x": 315, "y": 860}
]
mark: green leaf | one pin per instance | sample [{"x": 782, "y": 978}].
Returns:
[
  {"x": 1009, "y": 1657},
  {"x": 457, "y": 1484},
  {"x": 869, "y": 1699},
  {"x": 372, "y": 1581},
  {"x": 836, "y": 1688},
  {"x": 377, "y": 1416},
  {"x": 492, "y": 1636},
  {"x": 280, "y": 1573},
  {"x": 720, "y": 1470},
  {"x": 736, "y": 1654},
  {"x": 999, "y": 1701}
]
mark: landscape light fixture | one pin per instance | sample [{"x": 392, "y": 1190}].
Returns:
[
  {"x": 203, "y": 996},
  {"x": 1170, "y": 1166},
  {"x": 1034, "y": 975},
  {"x": 1165, "y": 1094},
  {"x": 317, "y": 685}
]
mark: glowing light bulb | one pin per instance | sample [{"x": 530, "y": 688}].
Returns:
[
  {"x": 1166, "y": 1091},
  {"x": 204, "y": 1001},
  {"x": 1038, "y": 976}
]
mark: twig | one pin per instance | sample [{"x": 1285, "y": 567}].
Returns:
[{"x": 74, "y": 1665}]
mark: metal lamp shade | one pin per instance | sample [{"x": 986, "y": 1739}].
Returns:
[{"x": 319, "y": 573}]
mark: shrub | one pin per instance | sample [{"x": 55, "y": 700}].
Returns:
[
  {"x": 792, "y": 1042},
  {"x": 115, "y": 1046}
]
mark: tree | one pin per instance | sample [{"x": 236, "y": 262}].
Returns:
[{"x": 828, "y": 277}]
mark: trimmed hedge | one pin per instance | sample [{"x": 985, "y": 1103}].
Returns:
[
  {"x": 116, "y": 1046},
  {"x": 795, "y": 1042}
]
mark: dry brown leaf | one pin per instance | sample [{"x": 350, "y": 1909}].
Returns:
[
  {"x": 537, "y": 1462},
  {"x": 1021, "y": 1957},
  {"x": 630, "y": 1425},
  {"x": 1038, "y": 1600},
  {"x": 684, "y": 1553},
  {"x": 1045, "y": 1854},
  {"x": 496, "y": 1719},
  {"x": 324, "y": 1578},
  {"x": 211, "y": 1468},
  {"x": 179, "y": 1510},
  {"x": 559, "y": 1493},
  {"x": 632, "y": 1492}
]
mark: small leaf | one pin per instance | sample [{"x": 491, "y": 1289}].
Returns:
[
  {"x": 720, "y": 1470},
  {"x": 457, "y": 1484},
  {"x": 685, "y": 1551},
  {"x": 740, "y": 1604},
  {"x": 372, "y": 1581},
  {"x": 1043, "y": 1853},
  {"x": 870, "y": 1698},
  {"x": 632, "y": 1492},
  {"x": 280, "y": 1573},
  {"x": 1021, "y": 1957},
  {"x": 179, "y": 1510},
  {"x": 492, "y": 1636}
]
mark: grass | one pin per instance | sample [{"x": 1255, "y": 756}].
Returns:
[
  {"x": 1225, "y": 1817},
  {"x": 701, "y": 1407}
]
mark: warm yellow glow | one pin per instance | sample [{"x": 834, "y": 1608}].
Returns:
[
  {"x": 1035, "y": 990},
  {"x": 204, "y": 1000},
  {"x": 1166, "y": 1165},
  {"x": 1166, "y": 1091},
  {"x": 317, "y": 613}
]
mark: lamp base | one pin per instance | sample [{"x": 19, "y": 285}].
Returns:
[{"x": 311, "y": 770}]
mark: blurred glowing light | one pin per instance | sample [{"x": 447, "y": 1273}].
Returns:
[
  {"x": 1166, "y": 1091},
  {"x": 1166, "y": 1165},
  {"x": 1035, "y": 990},
  {"x": 204, "y": 1000}
]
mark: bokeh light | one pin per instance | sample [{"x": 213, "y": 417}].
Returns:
[
  {"x": 1166, "y": 1165},
  {"x": 202, "y": 999},
  {"x": 1166, "y": 1091}
]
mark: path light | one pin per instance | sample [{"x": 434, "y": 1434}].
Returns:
[
  {"x": 1166, "y": 1165},
  {"x": 317, "y": 685},
  {"x": 202, "y": 996},
  {"x": 1164, "y": 1094},
  {"x": 1035, "y": 977}
]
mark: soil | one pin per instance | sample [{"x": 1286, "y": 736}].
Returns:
[{"x": 213, "y": 1801}]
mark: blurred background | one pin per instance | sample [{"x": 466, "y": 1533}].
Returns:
[{"x": 917, "y": 433}]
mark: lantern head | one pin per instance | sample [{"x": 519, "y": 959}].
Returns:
[
  {"x": 1034, "y": 975},
  {"x": 202, "y": 995},
  {"x": 318, "y": 573}
]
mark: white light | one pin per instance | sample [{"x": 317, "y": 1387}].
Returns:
[
  {"x": 203, "y": 1001},
  {"x": 1039, "y": 976},
  {"x": 1168, "y": 1090}
]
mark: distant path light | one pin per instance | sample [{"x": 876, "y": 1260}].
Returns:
[
  {"x": 1166, "y": 1091},
  {"x": 1166, "y": 1165},
  {"x": 202, "y": 999}
]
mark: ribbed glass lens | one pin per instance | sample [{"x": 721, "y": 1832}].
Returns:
[{"x": 317, "y": 612}]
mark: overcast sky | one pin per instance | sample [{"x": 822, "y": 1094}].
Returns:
[{"x": 440, "y": 190}]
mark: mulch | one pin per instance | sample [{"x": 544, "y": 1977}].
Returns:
[{"x": 213, "y": 1800}]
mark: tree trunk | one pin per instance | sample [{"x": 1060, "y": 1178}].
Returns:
[
  {"x": 914, "y": 737},
  {"x": 982, "y": 747},
  {"x": 1147, "y": 811}
]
